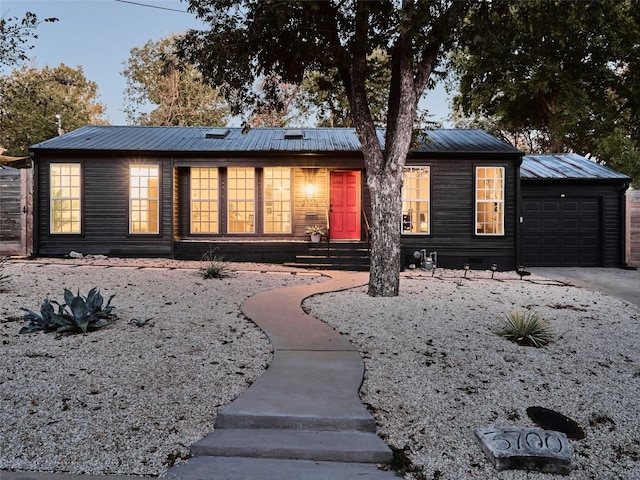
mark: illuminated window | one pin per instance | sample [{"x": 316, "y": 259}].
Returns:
[
  {"x": 241, "y": 193},
  {"x": 65, "y": 199},
  {"x": 277, "y": 200},
  {"x": 490, "y": 200},
  {"x": 204, "y": 200},
  {"x": 144, "y": 199},
  {"x": 415, "y": 200}
]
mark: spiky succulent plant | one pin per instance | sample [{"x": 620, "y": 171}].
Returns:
[
  {"x": 526, "y": 327},
  {"x": 78, "y": 314}
]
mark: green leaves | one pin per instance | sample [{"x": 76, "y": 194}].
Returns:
[
  {"x": 526, "y": 328},
  {"x": 30, "y": 99},
  {"x": 77, "y": 314},
  {"x": 562, "y": 74}
]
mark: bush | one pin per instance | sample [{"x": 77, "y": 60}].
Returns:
[
  {"x": 77, "y": 314},
  {"x": 526, "y": 328},
  {"x": 214, "y": 265}
]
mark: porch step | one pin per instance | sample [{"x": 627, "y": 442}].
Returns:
[
  {"x": 335, "y": 256},
  {"x": 343, "y": 446},
  {"x": 243, "y": 468}
]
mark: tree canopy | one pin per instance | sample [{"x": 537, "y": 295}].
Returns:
[
  {"x": 556, "y": 76},
  {"x": 174, "y": 91},
  {"x": 247, "y": 39},
  {"x": 323, "y": 96},
  {"x": 15, "y": 34},
  {"x": 31, "y": 99}
]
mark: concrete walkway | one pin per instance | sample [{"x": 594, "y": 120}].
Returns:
[{"x": 303, "y": 417}]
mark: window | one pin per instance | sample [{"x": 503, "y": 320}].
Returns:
[
  {"x": 144, "y": 199},
  {"x": 204, "y": 200},
  {"x": 277, "y": 200},
  {"x": 415, "y": 200},
  {"x": 489, "y": 200},
  {"x": 240, "y": 200},
  {"x": 65, "y": 198}
]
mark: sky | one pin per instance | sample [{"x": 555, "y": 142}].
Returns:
[{"x": 98, "y": 36}]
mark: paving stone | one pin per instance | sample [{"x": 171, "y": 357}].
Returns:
[{"x": 526, "y": 449}]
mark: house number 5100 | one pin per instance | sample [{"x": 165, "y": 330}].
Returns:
[{"x": 517, "y": 440}]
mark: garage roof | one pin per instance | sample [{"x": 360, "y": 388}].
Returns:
[
  {"x": 207, "y": 139},
  {"x": 566, "y": 166}
]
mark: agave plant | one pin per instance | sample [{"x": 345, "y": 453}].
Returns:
[
  {"x": 76, "y": 314},
  {"x": 526, "y": 328}
]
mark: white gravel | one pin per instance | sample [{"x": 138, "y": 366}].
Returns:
[
  {"x": 126, "y": 399},
  {"x": 436, "y": 370},
  {"x": 131, "y": 400}
]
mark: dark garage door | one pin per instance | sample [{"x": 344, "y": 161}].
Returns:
[{"x": 561, "y": 232}]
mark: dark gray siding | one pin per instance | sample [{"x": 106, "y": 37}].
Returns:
[
  {"x": 610, "y": 199},
  {"x": 453, "y": 217},
  {"x": 105, "y": 210}
]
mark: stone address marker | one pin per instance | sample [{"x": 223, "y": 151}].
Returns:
[{"x": 526, "y": 449}]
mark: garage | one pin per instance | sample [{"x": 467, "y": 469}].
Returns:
[
  {"x": 562, "y": 232},
  {"x": 572, "y": 212}
]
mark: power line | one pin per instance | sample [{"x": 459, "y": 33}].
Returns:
[{"x": 152, "y": 6}]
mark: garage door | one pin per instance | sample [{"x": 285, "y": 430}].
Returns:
[{"x": 561, "y": 232}]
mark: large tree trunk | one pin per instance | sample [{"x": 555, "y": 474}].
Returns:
[{"x": 386, "y": 208}]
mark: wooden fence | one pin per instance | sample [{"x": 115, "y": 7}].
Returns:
[
  {"x": 16, "y": 227},
  {"x": 633, "y": 228}
]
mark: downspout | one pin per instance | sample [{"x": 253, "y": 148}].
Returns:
[
  {"x": 35, "y": 206},
  {"x": 625, "y": 217},
  {"x": 518, "y": 213}
]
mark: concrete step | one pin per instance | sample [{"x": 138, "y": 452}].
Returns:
[
  {"x": 303, "y": 390},
  {"x": 240, "y": 468},
  {"x": 344, "y": 266},
  {"x": 359, "y": 447}
]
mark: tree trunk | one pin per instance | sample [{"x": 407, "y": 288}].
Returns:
[{"x": 386, "y": 210}]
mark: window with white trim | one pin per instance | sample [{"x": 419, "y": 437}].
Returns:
[
  {"x": 416, "y": 200},
  {"x": 490, "y": 185},
  {"x": 65, "y": 198},
  {"x": 204, "y": 200},
  {"x": 241, "y": 192},
  {"x": 144, "y": 199},
  {"x": 277, "y": 200}
]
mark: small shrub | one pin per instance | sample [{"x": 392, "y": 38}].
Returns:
[
  {"x": 526, "y": 328},
  {"x": 214, "y": 265},
  {"x": 77, "y": 314},
  {"x": 4, "y": 278}
]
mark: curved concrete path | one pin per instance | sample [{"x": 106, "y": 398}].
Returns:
[{"x": 303, "y": 417}]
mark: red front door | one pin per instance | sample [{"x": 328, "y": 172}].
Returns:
[{"x": 344, "y": 218}]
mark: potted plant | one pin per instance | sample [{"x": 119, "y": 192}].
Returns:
[{"x": 315, "y": 232}]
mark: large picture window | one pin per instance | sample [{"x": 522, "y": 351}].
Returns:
[
  {"x": 65, "y": 198},
  {"x": 144, "y": 199},
  {"x": 241, "y": 191},
  {"x": 204, "y": 200},
  {"x": 490, "y": 201},
  {"x": 416, "y": 200},
  {"x": 277, "y": 200}
]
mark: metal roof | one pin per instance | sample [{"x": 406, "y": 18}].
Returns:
[
  {"x": 566, "y": 166},
  {"x": 207, "y": 139}
]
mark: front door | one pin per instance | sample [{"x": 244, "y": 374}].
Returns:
[{"x": 344, "y": 218}]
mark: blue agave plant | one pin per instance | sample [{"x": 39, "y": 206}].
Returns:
[{"x": 78, "y": 313}]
